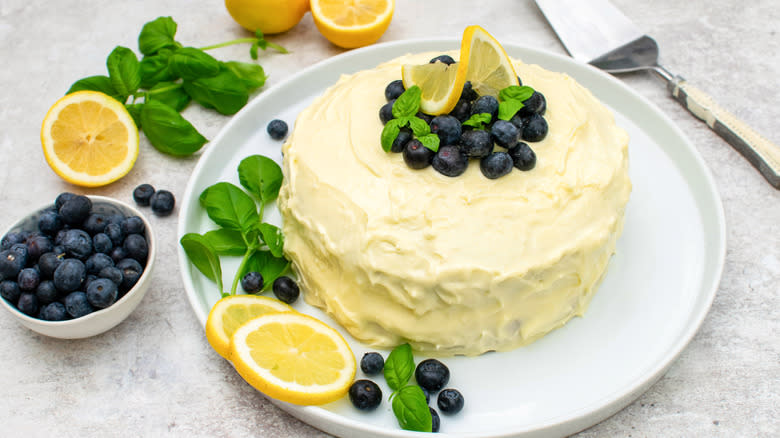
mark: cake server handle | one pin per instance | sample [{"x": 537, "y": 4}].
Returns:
[{"x": 759, "y": 151}]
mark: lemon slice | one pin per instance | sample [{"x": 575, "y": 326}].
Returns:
[
  {"x": 89, "y": 139},
  {"x": 352, "y": 23},
  {"x": 294, "y": 358},
  {"x": 482, "y": 61},
  {"x": 229, "y": 313}
]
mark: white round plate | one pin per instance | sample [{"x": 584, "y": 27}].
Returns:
[{"x": 658, "y": 289}]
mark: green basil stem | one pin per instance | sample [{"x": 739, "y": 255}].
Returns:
[
  {"x": 247, "y": 255},
  {"x": 276, "y": 47}
]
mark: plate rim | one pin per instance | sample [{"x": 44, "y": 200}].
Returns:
[{"x": 576, "y": 420}]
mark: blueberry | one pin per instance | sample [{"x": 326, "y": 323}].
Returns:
[
  {"x": 77, "y": 305},
  {"x": 11, "y": 239},
  {"x": 386, "y": 112},
  {"x": 69, "y": 275},
  {"x": 46, "y": 292},
  {"x": 36, "y": 246},
  {"x": 447, "y": 59},
  {"x": 48, "y": 263},
  {"x": 131, "y": 272},
  {"x": 372, "y": 363},
  {"x": 365, "y": 395},
  {"x": 277, "y": 129},
  {"x": 462, "y": 110},
  {"x": 28, "y": 304},
  {"x": 10, "y": 291},
  {"x": 416, "y": 155},
  {"x": 496, "y": 165},
  {"x": 448, "y": 129},
  {"x": 114, "y": 232},
  {"x": 536, "y": 104},
  {"x": 504, "y": 134},
  {"x": 118, "y": 254},
  {"x": 432, "y": 374},
  {"x": 394, "y": 89},
  {"x": 50, "y": 223},
  {"x": 523, "y": 157},
  {"x": 10, "y": 264},
  {"x": 132, "y": 225},
  {"x": 90, "y": 278},
  {"x": 21, "y": 251},
  {"x": 142, "y": 194},
  {"x": 518, "y": 121},
  {"x": 59, "y": 250},
  {"x": 435, "y": 420},
  {"x": 102, "y": 293},
  {"x": 75, "y": 210},
  {"x": 450, "y": 401},
  {"x": 96, "y": 262},
  {"x": 404, "y": 135},
  {"x": 468, "y": 94},
  {"x": 136, "y": 247},
  {"x": 449, "y": 161},
  {"x": 102, "y": 243},
  {"x": 62, "y": 198},
  {"x": 28, "y": 279},
  {"x": 534, "y": 128},
  {"x": 252, "y": 282},
  {"x": 427, "y": 118},
  {"x": 112, "y": 273},
  {"x": 485, "y": 104},
  {"x": 60, "y": 236},
  {"x": 476, "y": 143},
  {"x": 54, "y": 312},
  {"x": 162, "y": 203},
  {"x": 77, "y": 243},
  {"x": 115, "y": 219},
  {"x": 286, "y": 290}
]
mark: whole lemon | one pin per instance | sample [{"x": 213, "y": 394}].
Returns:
[{"x": 270, "y": 16}]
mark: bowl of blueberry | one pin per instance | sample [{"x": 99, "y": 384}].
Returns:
[{"x": 76, "y": 268}]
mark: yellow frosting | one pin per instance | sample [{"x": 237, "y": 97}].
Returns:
[{"x": 458, "y": 265}]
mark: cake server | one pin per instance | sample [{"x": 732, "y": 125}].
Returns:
[{"x": 597, "y": 33}]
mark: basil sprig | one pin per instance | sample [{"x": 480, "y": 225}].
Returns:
[
  {"x": 172, "y": 75},
  {"x": 243, "y": 232},
  {"x": 405, "y": 109},
  {"x": 511, "y": 100},
  {"x": 408, "y": 401},
  {"x": 478, "y": 121}
]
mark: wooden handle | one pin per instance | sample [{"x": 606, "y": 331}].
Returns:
[{"x": 762, "y": 153}]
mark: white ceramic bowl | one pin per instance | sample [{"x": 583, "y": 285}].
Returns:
[{"x": 101, "y": 320}]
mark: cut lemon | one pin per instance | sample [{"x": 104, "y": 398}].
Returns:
[
  {"x": 229, "y": 313},
  {"x": 294, "y": 358},
  {"x": 89, "y": 139},
  {"x": 483, "y": 62},
  {"x": 352, "y": 23},
  {"x": 270, "y": 16}
]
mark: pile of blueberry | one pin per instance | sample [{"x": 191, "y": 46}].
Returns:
[
  {"x": 431, "y": 375},
  {"x": 161, "y": 201},
  {"x": 76, "y": 262},
  {"x": 459, "y": 143}
]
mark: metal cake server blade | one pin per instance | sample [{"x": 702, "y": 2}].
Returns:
[{"x": 597, "y": 33}]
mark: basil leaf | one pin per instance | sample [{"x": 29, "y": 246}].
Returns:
[
  {"x": 192, "y": 63},
  {"x": 478, "y": 121},
  {"x": 171, "y": 94},
  {"x": 261, "y": 176},
  {"x": 419, "y": 126},
  {"x": 389, "y": 134},
  {"x": 408, "y": 103},
  {"x": 267, "y": 265},
  {"x": 411, "y": 410},
  {"x": 430, "y": 141},
  {"x": 252, "y": 75},
  {"x": 96, "y": 83},
  {"x": 135, "y": 112},
  {"x": 399, "y": 367},
  {"x": 123, "y": 71},
  {"x": 227, "y": 242},
  {"x": 203, "y": 256},
  {"x": 224, "y": 92},
  {"x": 253, "y": 50},
  {"x": 154, "y": 69},
  {"x": 273, "y": 237},
  {"x": 157, "y": 34},
  {"x": 230, "y": 207},
  {"x": 514, "y": 92},
  {"x": 508, "y": 108},
  {"x": 168, "y": 131}
]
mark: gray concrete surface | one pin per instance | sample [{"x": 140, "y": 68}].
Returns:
[{"x": 155, "y": 375}]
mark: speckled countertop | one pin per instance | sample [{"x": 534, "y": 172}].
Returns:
[{"x": 155, "y": 375}]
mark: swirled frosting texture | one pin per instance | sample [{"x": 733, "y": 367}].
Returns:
[{"x": 458, "y": 265}]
